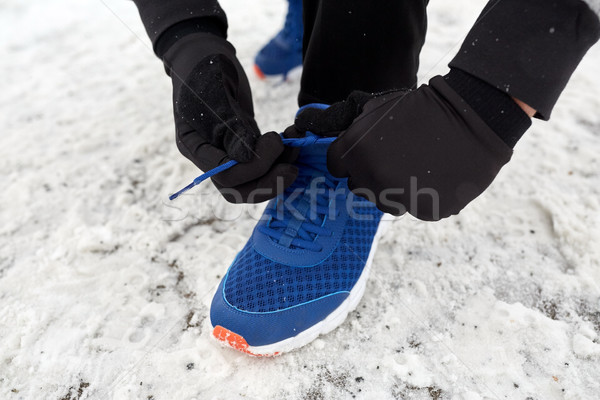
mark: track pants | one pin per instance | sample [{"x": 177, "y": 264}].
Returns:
[{"x": 369, "y": 45}]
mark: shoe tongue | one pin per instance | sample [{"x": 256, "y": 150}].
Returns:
[{"x": 312, "y": 163}]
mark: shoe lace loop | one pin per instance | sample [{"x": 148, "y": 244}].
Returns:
[{"x": 297, "y": 217}]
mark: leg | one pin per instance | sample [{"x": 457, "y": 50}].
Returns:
[{"x": 360, "y": 45}]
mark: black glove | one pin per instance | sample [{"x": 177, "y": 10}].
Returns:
[
  {"x": 214, "y": 120},
  {"x": 425, "y": 151}
]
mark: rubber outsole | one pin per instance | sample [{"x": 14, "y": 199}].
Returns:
[
  {"x": 333, "y": 320},
  {"x": 274, "y": 77},
  {"x": 259, "y": 73}
]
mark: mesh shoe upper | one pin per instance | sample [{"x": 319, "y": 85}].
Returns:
[{"x": 257, "y": 284}]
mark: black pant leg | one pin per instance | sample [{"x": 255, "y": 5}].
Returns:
[{"x": 369, "y": 45}]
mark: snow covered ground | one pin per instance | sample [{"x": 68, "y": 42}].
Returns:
[{"x": 105, "y": 286}]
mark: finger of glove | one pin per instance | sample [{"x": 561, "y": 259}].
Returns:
[
  {"x": 196, "y": 148},
  {"x": 389, "y": 204},
  {"x": 268, "y": 186},
  {"x": 362, "y": 190},
  {"x": 357, "y": 99},
  {"x": 290, "y": 154},
  {"x": 268, "y": 148},
  {"x": 327, "y": 122},
  {"x": 293, "y": 132},
  {"x": 232, "y": 135},
  {"x": 335, "y": 118},
  {"x": 207, "y": 103}
]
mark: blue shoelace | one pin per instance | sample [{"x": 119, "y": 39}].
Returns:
[
  {"x": 298, "y": 216},
  {"x": 297, "y": 223}
]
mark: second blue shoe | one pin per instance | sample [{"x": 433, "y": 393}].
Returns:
[{"x": 284, "y": 52}]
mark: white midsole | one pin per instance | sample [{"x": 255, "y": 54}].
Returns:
[{"x": 338, "y": 316}]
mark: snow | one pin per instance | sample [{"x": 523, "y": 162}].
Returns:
[
  {"x": 594, "y": 5},
  {"x": 105, "y": 286}
]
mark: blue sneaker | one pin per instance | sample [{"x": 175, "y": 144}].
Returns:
[
  {"x": 305, "y": 266},
  {"x": 284, "y": 52}
]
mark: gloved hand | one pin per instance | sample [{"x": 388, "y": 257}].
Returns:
[
  {"x": 214, "y": 120},
  {"x": 425, "y": 151}
]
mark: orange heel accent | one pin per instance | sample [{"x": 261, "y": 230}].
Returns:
[
  {"x": 258, "y": 72},
  {"x": 235, "y": 341}
]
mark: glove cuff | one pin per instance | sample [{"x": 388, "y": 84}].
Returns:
[
  {"x": 159, "y": 16},
  {"x": 188, "y": 27},
  {"x": 488, "y": 141},
  {"x": 498, "y": 110},
  {"x": 188, "y": 51}
]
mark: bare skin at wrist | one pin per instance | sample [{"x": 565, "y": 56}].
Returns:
[{"x": 530, "y": 111}]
